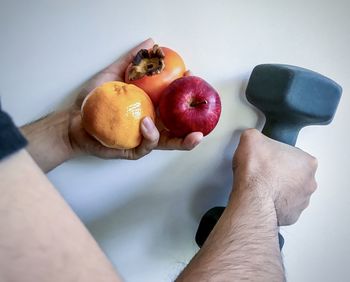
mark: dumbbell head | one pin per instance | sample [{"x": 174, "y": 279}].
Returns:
[
  {"x": 291, "y": 98},
  {"x": 207, "y": 224}
]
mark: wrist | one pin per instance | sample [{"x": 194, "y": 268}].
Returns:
[
  {"x": 243, "y": 244},
  {"x": 49, "y": 142},
  {"x": 61, "y": 121},
  {"x": 249, "y": 187},
  {"x": 247, "y": 199},
  {"x": 256, "y": 209}
]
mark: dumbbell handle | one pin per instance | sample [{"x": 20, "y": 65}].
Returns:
[
  {"x": 281, "y": 131},
  {"x": 278, "y": 130}
]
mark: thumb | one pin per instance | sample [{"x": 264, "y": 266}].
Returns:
[{"x": 150, "y": 137}]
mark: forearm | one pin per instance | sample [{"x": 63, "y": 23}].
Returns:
[
  {"x": 41, "y": 238},
  {"x": 49, "y": 143},
  {"x": 243, "y": 246}
]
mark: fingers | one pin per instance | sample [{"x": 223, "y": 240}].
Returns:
[
  {"x": 167, "y": 142},
  {"x": 150, "y": 141},
  {"x": 150, "y": 138},
  {"x": 119, "y": 66},
  {"x": 192, "y": 140}
]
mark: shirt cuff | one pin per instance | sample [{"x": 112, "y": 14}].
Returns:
[{"x": 11, "y": 139}]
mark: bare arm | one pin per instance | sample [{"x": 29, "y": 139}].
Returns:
[
  {"x": 41, "y": 237},
  {"x": 243, "y": 246},
  {"x": 273, "y": 184}
]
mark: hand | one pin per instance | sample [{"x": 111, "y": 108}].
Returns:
[
  {"x": 275, "y": 171},
  {"x": 154, "y": 137}
]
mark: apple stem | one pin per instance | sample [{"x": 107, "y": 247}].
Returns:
[{"x": 195, "y": 103}]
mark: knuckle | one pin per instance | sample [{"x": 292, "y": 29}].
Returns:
[
  {"x": 188, "y": 147},
  {"x": 250, "y": 134},
  {"x": 313, "y": 186},
  {"x": 288, "y": 220},
  {"x": 146, "y": 150},
  {"x": 127, "y": 155},
  {"x": 135, "y": 158},
  {"x": 151, "y": 146},
  {"x": 306, "y": 204},
  {"x": 313, "y": 162},
  {"x": 156, "y": 136},
  {"x": 249, "y": 139},
  {"x": 152, "y": 140},
  {"x": 291, "y": 219}
]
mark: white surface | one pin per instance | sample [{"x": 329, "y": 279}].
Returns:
[{"x": 144, "y": 214}]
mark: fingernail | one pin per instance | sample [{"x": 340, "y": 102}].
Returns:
[{"x": 148, "y": 125}]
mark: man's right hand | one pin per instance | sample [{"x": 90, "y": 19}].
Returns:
[{"x": 275, "y": 171}]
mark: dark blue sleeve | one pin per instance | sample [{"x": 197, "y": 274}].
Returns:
[{"x": 11, "y": 139}]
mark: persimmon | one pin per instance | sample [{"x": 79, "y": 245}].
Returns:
[
  {"x": 153, "y": 70},
  {"x": 112, "y": 114}
]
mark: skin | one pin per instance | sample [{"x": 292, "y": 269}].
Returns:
[
  {"x": 43, "y": 240},
  {"x": 41, "y": 237},
  {"x": 268, "y": 192},
  {"x": 63, "y": 130}
]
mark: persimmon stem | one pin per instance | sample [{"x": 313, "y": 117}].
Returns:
[{"x": 147, "y": 62}]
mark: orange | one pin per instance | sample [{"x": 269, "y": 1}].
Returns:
[{"x": 112, "y": 113}]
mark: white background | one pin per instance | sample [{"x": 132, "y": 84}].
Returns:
[{"x": 144, "y": 214}]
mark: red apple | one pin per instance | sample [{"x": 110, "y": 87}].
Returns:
[{"x": 189, "y": 104}]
